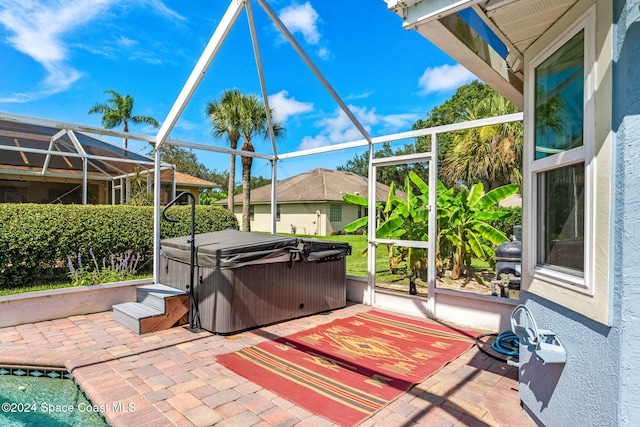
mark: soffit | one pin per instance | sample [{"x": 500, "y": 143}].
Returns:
[{"x": 524, "y": 21}]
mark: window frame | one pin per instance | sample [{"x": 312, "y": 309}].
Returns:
[{"x": 584, "y": 154}]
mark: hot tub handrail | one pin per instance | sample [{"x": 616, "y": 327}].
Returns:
[{"x": 194, "y": 313}]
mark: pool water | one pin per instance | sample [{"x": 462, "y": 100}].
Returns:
[{"x": 42, "y": 401}]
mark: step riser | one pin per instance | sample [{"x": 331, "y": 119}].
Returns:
[
  {"x": 126, "y": 320},
  {"x": 150, "y": 300},
  {"x": 158, "y": 307},
  {"x": 155, "y": 295}
]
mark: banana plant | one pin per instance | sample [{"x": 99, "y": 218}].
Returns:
[
  {"x": 464, "y": 221},
  {"x": 363, "y": 222},
  {"x": 463, "y": 217},
  {"x": 403, "y": 217}
]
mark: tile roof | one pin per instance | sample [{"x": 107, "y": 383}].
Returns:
[
  {"x": 315, "y": 185},
  {"x": 187, "y": 180}
]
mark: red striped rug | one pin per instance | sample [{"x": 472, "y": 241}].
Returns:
[{"x": 347, "y": 370}]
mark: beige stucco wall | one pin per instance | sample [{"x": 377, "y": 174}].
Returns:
[
  {"x": 191, "y": 190},
  {"x": 593, "y": 302},
  {"x": 308, "y": 218}
]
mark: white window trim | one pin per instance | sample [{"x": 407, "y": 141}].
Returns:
[{"x": 585, "y": 153}]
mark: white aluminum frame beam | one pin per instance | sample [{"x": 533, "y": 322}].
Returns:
[
  {"x": 218, "y": 149},
  {"x": 54, "y": 138},
  {"x": 16, "y": 118},
  {"x": 53, "y": 175},
  {"x": 198, "y": 72},
  {"x": 75, "y": 155},
  {"x": 85, "y": 163},
  {"x": 403, "y": 160},
  {"x": 429, "y": 244},
  {"x": 403, "y": 243},
  {"x": 433, "y": 228},
  {"x": 78, "y": 146},
  {"x": 406, "y": 135},
  {"x": 296, "y": 46},
  {"x": 263, "y": 85},
  {"x": 265, "y": 97}
]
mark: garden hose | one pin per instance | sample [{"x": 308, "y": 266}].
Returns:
[{"x": 506, "y": 343}]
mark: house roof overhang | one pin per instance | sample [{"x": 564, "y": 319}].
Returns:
[{"x": 488, "y": 37}]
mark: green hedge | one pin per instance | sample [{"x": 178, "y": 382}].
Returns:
[
  {"x": 506, "y": 223},
  {"x": 35, "y": 240}
]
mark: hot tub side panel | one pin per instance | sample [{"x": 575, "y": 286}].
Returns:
[
  {"x": 175, "y": 274},
  {"x": 231, "y": 300}
]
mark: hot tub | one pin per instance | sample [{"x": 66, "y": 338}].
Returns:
[{"x": 244, "y": 280}]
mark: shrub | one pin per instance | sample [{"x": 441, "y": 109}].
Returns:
[
  {"x": 513, "y": 216},
  {"x": 35, "y": 240},
  {"x": 116, "y": 268}
]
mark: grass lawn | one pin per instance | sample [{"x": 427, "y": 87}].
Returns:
[{"x": 357, "y": 261}]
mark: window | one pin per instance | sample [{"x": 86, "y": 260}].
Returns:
[
  {"x": 559, "y": 112},
  {"x": 278, "y": 213},
  {"x": 562, "y": 134},
  {"x": 335, "y": 213},
  {"x": 252, "y": 213},
  {"x": 561, "y": 219}
]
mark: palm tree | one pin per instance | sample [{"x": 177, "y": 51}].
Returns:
[
  {"x": 253, "y": 121},
  {"x": 225, "y": 119},
  {"x": 491, "y": 154},
  {"x": 117, "y": 110}
]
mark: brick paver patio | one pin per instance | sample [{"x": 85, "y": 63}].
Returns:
[{"x": 172, "y": 377}]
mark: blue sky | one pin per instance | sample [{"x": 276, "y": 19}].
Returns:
[{"x": 59, "y": 56}]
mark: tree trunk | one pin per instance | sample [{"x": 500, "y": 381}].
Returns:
[
  {"x": 456, "y": 270},
  {"x": 231, "y": 185},
  {"x": 458, "y": 260},
  {"x": 125, "y": 143},
  {"x": 246, "y": 189}
]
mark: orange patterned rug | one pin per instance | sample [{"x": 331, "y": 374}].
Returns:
[{"x": 347, "y": 370}]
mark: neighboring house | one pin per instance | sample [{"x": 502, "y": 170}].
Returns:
[
  {"x": 184, "y": 182},
  {"x": 575, "y": 63},
  {"x": 40, "y": 164},
  {"x": 309, "y": 203}
]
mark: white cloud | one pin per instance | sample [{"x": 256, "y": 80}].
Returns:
[
  {"x": 127, "y": 42},
  {"x": 286, "y": 106},
  {"x": 37, "y": 29},
  {"x": 338, "y": 128},
  {"x": 323, "y": 53},
  {"x": 354, "y": 96},
  {"x": 302, "y": 19},
  {"x": 160, "y": 7},
  {"x": 443, "y": 78}
]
